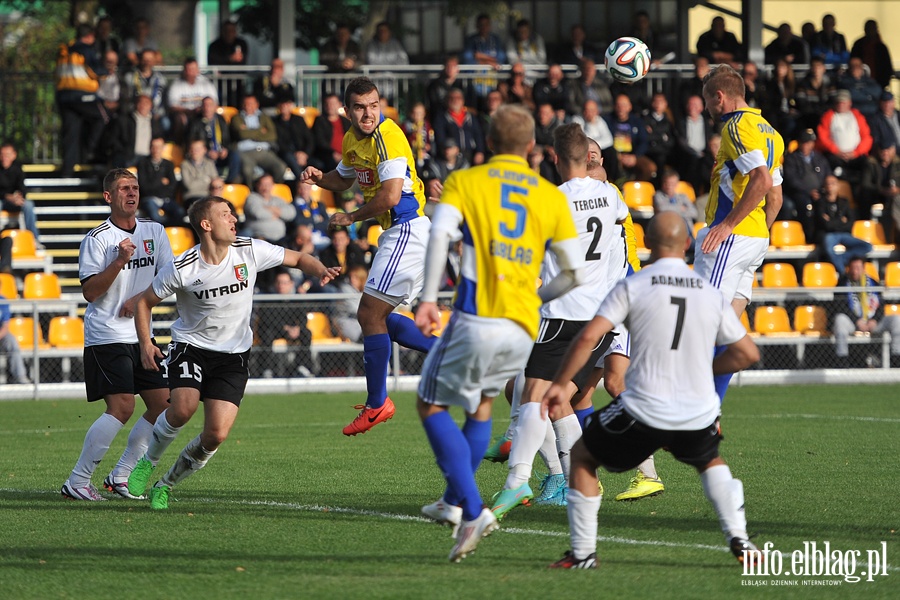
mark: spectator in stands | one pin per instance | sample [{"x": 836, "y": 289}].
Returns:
[
  {"x": 694, "y": 85},
  {"x": 844, "y": 138},
  {"x": 212, "y": 128},
  {"x": 341, "y": 253},
  {"x": 492, "y": 102},
  {"x": 515, "y": 90},
  {"x": 554, "y": 90},
  {"x": 341, "y": 54},
  {"x": 719, "y": 45},
  {"x": 140, "y": 41},
  {"x": 9, "y": 346},
  {"x": 661, "y": 136},
  {"x": 255, "y": 140},
  {"x": 597, "y": 129},
  {"x": 576, "y": 50},
  {"x": 861, "y": 310},
  {"x": 808, "y": 35},
  {"x": 110, "y": 92},
  {"x": 814, "y": 94},
  {"x": 483, "y": 48},
  {"x": 631, "y": 141},
  {"x": 643, "y": 30},
  {"x": 669, "y": 199},
  {"x": 104, "y": 39},
  {"x": 754, "y": 88},
  {"x": 267, "y": 215},
  {"x": 158, "y": 184},
  {"x": 284, "y": 321},
  {"x": 787, "y": 46},
  {"x": 693, "y": 132},
  {"x": 459, "y": 124},
  {"x": 439, "y": 88},
  {"x": 589, "y": 87},
  {"x": 829, "y": 44},
  {"x": 328, "y": 130},
  {"x": 834, "y": 223},
  {"x": 186, "y": 96},
  {"x": 805, "y": 170},
  {"x": 526, "y": 46},
  {"x": 228, "y": 49},
  {"x": 546, "y": 123},
  {"x": 128, "y": 137},
  {"x": 386, "y": 50},
  {"x": 144, "y": 80},
  {"x": 13, "y": 195},
  {"x": 419, "y": 134},
  {"x": 77, "y": 80},
  {"x": 197, "y": 173},
  {"x": 295, "y": 140},
  {"x": 885, "y": 125},
  {"x": 537, "y": 160},
  {"x": 707, "y": 163},
  {"x": 6, "y": 245},
  {"x": 273, "y": 89},
  {"x": 881, "y": 183},
  {"x": 780, "y": 106},
  {"x": 874, "y": 53},
  {"x": 864, "y": 91},
  {"x": 448, "y": 160},
  {"x": 312, "y": 213},
  {"x": 344, "y": 317}
]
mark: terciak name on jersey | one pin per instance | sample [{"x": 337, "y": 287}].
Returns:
[{"x": 592, "y": 204}]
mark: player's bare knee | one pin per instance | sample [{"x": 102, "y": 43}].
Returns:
[
  {"x": 211, "y": 439},
  {"x": 121, "y": 406}
]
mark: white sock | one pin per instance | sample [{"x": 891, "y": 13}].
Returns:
[
  {"x": 193, "y": 458},
  {"x": 549, "y": 452},
  {"x": 727, "y": 497},
  {"x": 529, "y": 436},
  {"x": 96, "y": 444},
  {"x": 514, "y": 407},
  {"x": 648, "y": 468},
  {"x": 138, "y": 440},
  {"x": 582, "y": 512},
  {"x": 163, "y": 435},
  {"x": 568, "y": 431}
]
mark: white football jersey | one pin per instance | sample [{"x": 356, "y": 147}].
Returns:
[
  {"x": 596, "y": 207},
  {"x": 676, "y": 319},
  {"x": 215, "y": 301},
  {"x": 618, "y": 257},
  {"x": 99, "y": 248}
]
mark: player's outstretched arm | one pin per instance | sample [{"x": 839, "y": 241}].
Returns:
[
  {"x": 759, "y": 184},
  {"x": 736, "y": 357},
  {"x": 310, "y": 265},
  {"x": 331, "y": 180},
  {"x": 149, "y": 352},
  {"x": 774, "y": 200}
]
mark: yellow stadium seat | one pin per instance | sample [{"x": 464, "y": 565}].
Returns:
[
  {"x": 41, "y": 286},
  {"x": 373, "y": 234},
  {"x": 8, "y": 286},
  {"x": 639, "y": 236},
  {"x": 786, "y": 234},
  {"x": 322, "y": 196},
  {"x": 698, "y": 226},
  {"x": 309, "y": 114},
  {"x": 173, "y": 152},
  {"x": 283, "y": 191},
  {"x": 227, "y": 112},
  {"x": 236, "y": 193},
  {"x": 819, "y": 275},
  {"x": 870, "y": 231},
  {"x": 181, "y": 239},
  {"x": 779, "y": 275},
  {"x": 745, "y": 321},
  {"x": 792, "y": 146},
  {"x": 391, "y": 113},
  {"x": 445, "y": 318},
  {"x": 811, "y": 321},
  {"x": 66, "y": 332},
  {"x": 23, "y": 330},
  {"x": 892, "y": 274},
  {"x": 772, "y": 320},
  {"x": 320, "y": 328},
  {"x": 872, "y": 271},
  {"x": 687, "y": 189},
  {"x": 892, "y": 310},
  {"x": 638, "y": 194},
  {"x": 24, "y": 245}
]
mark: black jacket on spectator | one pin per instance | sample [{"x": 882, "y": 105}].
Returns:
[
  {"x": 882, "y": 133},
  {"x": 270, "y": 95},
  {"x": 812, "y": 102},
  {"x": 469, "y": 137},
  {"x": 800, "y": 179},
  {"x": 558, "y": 97},
  {"x": 661, "y": 139},
  {"x": 436, "y": 95},
  {"x": 119, "y": 138},
  {"x": 12, "y": 179},
  {"x": 151, "y": 177},
  {"x": 293, "y": 135},
  {"x": 835, "y": 211},
  {"x": 354, "y": 257},
  {"x": 201, "y": 129}
]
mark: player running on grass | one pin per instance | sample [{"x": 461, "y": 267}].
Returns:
[
  {"x": 213, "y": 285},
  {"x": 675, "y": 318},
  {"x": 376, "y": 154}
]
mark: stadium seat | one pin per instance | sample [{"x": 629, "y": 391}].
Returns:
[
  {"x": 819, "y": 275},
  {"x": 811, "y": 321},
  {"x": 872, "y": 271},
  {"x": 638, "y": 194},
  {"x": 892, "y": 310},
  {"x": 227, "y": 112},
  {"x": 745, "y": 321},
  {"x": 698, "y": 226},
  {"x": 41, "y": 286},
  {"x": 792, "y": 146},
  {"x": 23, "y": 330},
  {"x": 789, "y": 234},
  {"x": 180, "y": 239},
  {"x": 870, "y": 231},
  {"x": 322, "y": 196},
  {"x": 8, "y": 286},
  {"x": 772, "y": 320},
  {"x": 236, "y": 193},
  {"x": 283, "y": 191},
  {"x": 373, "y": 234},
  {"x": 892, "y": 274},
  {"x": 639, "y": 236},
  {"x": 173, "y": 152},
  {"x": 66, "y": 332},
  {"x": 446, "y": 313},
  {"x": 320, "y": 328},
  {"x": 391, "y": 113},
  {"x": 24, "y": 245},
  {"x": 687, "y": 189},
  {"x": 779, "y": 275},
  {"x": 309, "y": 114}
]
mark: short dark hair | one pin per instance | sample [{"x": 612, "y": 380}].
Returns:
[
  {"x": 200, "y": 210},
  {"x": 189, "y": 60},
  {"x": 358, "y": 86},
  {"x": 83, "y": 29},
  {"x": 570, "y": 143},
  {"x": 113, "y": 177}
]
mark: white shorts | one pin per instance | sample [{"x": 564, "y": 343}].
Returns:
[
  {"x": 621, "y": 344},
  {"x": 474, "y": 358},
  {"x": 732, "y": 267},
  {"x": 398, "y": 269}
]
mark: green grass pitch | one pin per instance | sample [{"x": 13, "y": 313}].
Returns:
[{"x": 290, "y": 508}]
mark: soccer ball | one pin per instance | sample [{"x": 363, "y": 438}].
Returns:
[{"x": 627, "y": 59}]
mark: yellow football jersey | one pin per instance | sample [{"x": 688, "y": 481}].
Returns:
[
  {"x": 368, "y": 160},
  {"x": 748, "y": 141},
  {"x": 510, "y": 217}
]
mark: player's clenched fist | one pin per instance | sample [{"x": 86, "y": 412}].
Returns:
[
  {"x": 311, "y": 175},
  {"x": 126, "y": 249}
]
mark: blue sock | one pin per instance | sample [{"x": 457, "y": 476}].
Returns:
[
  {"x": 376, "y": 356},
  {"x": 582, "y": 414},
  {"x": 451, "y": 451},
  {"x": 721, "y": 381},
  {"x": 478, "y": 435},
  {"x": 403, "y": 330}
]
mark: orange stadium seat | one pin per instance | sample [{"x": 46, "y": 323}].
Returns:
[
  {"x": 892, "y": 310},
  {"x": 819, "y": 275},
  {"x": 779, "y": 275},
  {"x": 41, "y": 286},
  {"x": 745, "y": 321},
  {"x": 23, "y": 330},
  {"x": 638, "y": 194},
  {"x": 320, "y": 328},
  {"x": 698, "y": 226},
  {"x": 227, "y": 112},
  {"x": 181, "y": 239},
  {"x": 8, "y": 287},
  {"x": 811, "y": 321},
  {"x": 639, "y": 236},
  {"x": 892, "y": 274},
  {"x": 373, "y": 234},
  {"x": 872, "y": 271},
  {"x": 391, "y": 113},
  {"x": 309, "y": 114},
  {"x": 772, "y": 320},
  {"x": 236, "y": 193},
  {"x": 66, "y": 332},
  {"x": 283, "y": 191},
  {"x": 173, "y": 152},
  {"x": 687, "y": 189},
  {"x": 870, "y": 231},
  {"x": 788, "y": 234},
  {"x": 322, "y": 196},
  {"x": 24, "y": 245}
]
